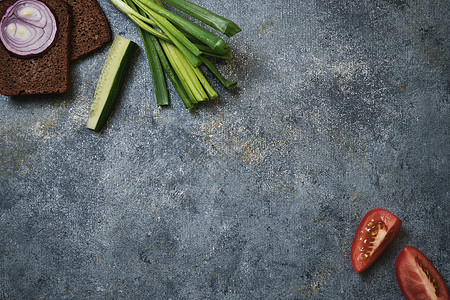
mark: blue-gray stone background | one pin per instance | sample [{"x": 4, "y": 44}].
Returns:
[{"x": 341, "y": 107}]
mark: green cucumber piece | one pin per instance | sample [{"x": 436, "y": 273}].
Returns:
[{"x": 111, "y": 81}]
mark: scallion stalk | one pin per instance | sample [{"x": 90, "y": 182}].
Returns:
[
  {"x": 200, "y": 33},
  {"x": 162, "y": 94},
  {"x": 129, "y": 11},
  {"x": 212, "y": 94},
  {"x": 148, "y": 28},
  {"x": 173, "y": 77},
  {"x": 174, "y": 34},
  {"x": 225, "y": 54},
  {"x": 181, "y": 74},
  {"x": 159, "y": 82},
  {"x": 227, "y": 27},
  {"x": 176, "y": 46},
  {"x": 227, "y": 83},
  {"x": 140, "y": 20},
  {"x": 191, "y": 78}
]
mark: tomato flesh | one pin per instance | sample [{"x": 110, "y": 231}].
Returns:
[
  {"x": 418, "y": 278},
  {"x": 375, "y": 232}
]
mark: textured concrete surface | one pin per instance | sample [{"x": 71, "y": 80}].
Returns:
[{"x": 342, "y": 106}]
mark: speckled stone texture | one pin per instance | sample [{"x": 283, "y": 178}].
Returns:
[{"x": 341, "y": 107}]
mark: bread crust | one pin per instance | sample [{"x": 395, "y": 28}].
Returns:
[{"x": 45, "y": 74}]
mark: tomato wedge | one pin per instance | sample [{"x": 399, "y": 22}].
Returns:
[
  {"x": 418, "y": 278},
  {"x": 375, "y": 232}
]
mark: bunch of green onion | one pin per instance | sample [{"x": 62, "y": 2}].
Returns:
[{"x": 177, "y": 46}]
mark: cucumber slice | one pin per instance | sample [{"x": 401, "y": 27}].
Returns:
[{"x": 111, "y": 80}]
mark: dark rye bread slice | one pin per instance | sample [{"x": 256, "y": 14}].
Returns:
[
  {"x": 45, "y": 74},
  {"x": 90, "y": 29}
]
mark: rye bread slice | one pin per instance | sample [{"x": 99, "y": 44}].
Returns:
[
  {"x": 90, "y": 29},
  {"x": 45, "y": 74}
]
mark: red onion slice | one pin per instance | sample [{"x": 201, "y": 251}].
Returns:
[{"x": 28, "y": 28}]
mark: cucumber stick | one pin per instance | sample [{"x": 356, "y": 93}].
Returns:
[{"x": 111, "y": 81}]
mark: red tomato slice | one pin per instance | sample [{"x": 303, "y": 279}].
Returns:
[
  {"x": 418, "y": 278},
  {"x": 375, "y": 232}
]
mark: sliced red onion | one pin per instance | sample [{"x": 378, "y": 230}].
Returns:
[{"x": 28, "y": 28}]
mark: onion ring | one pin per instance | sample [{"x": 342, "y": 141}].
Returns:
[{"x": 28, "y": 28}]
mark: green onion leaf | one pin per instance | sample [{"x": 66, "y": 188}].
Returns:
[
  {"x": 200, "y": 33},
  {"x": 184, "y": 45},
  {"x": 162, "y": 94},
  {"x": 212, "y": 94},
  {"x": 181, "y": 74},
  {"x": 225, "y": 54},
  {"x": 173, "y": 77},
  {"x": 228, "y": 84},
  {"x": 159, "y": 81},
  {"x": 227, "y": 27},
  {"x": 177, "y": 46}
]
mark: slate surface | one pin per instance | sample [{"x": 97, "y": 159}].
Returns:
[{"x": 342, "y": 106}]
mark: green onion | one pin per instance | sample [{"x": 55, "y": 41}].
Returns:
[
  {"x": 173, "y": 77},
  {"x": 185, "y": 72},
  {"x": 162, "y": 94},
  {"x": 177, "y": 46},
  {"x": 228, "y": 84},
  {"x": 149, "y": 29},
  {"x": 129, "y": 11},
  {"x": 225, "y": 54},
  {"x": 140, "y": 20},
  {"x": 174, "y": 34},
  {"x": 159, "y": 82},
  {"x": 200, "y": 33},
  {"x": 227, "y": 27},
  {"x": 180, "y": 71},
  {"x": 212, "y": 94}
]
